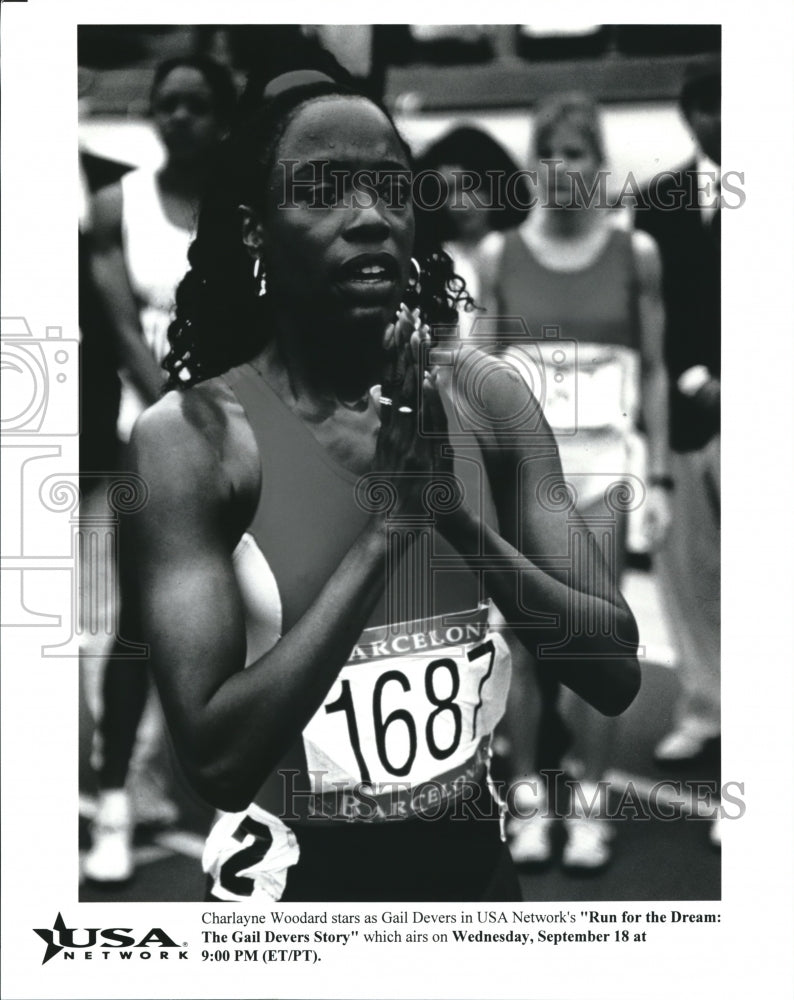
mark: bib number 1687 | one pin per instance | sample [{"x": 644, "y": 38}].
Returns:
[{"x": 401, "y": 716}]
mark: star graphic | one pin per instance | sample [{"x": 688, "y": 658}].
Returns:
[{"x": 47, "y": 935}]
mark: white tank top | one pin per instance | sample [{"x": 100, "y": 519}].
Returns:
[{"x": 155, "y": 255}]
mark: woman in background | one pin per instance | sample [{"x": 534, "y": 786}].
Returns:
[
  {"x": 589, "y": 293},
  {"x": 472, "y": 171}
]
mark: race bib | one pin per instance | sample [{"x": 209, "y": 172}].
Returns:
[
  {"x": 249, "y": 854},
  {"x": 413, "y": 703}
]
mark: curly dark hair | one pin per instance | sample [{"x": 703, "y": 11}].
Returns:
[{"x": 221, "y": 320}]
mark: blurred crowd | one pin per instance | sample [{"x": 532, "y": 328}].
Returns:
[{"x": 619, "y": 301}]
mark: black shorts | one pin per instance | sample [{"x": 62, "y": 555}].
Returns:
[{"x": 451, "y": 859}]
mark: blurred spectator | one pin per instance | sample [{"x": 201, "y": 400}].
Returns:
[
  {"x": 99, "y": 382},
  {"x": 140, "y": 231},
  {"x": 684, "y": 218},
  {"x": 571, "y": 268},
  {"x": 142, "y": 227},
  {"x": 472, "y": 169}
]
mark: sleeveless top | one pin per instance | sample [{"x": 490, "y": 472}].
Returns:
[
  {"x": 579, "y": 348},
  {"x": 421, "y": 652},
  {"x": 155, "y": 257},
  {"x": 404, "y": 730}
]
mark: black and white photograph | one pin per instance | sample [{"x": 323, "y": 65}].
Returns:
[
  {"x": 588, "y": 405},
  {"x": 365, "y": 581}
]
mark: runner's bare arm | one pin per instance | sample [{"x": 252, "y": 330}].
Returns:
[
  {"x": 230, "y": 725},
  {"x": 542, "y": 573}
]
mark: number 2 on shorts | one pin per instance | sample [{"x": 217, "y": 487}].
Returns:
[{"x": 230, "y": 877}]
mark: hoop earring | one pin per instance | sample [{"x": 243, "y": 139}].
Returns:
[
  {"x": 416, "y": 277},
  {"x": 259, "y": 275}
]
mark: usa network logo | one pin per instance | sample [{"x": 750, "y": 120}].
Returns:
[{"x": 82, "y": 941}]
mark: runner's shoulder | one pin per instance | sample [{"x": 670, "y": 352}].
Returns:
[
  {"x": 494, "y": 384},
  {"x": 182, "y": 442}
]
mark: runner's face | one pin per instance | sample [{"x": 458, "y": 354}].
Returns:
[
  {"x": 184, "y": 114},
  {"x": 339, "y": 227}
]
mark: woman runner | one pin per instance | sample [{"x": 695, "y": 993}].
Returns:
[{"x": 340, "y": 515}]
